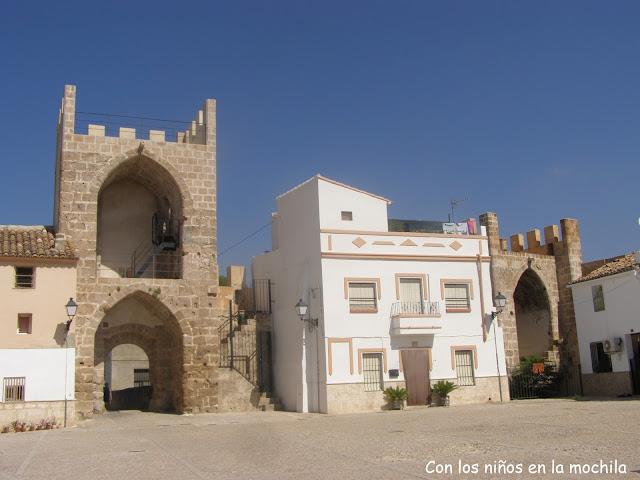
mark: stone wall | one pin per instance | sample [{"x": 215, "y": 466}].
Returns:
[
  {"x": 33, "y": 412},
  {"x": 84, "y": 164},
  {"x": 556, "y": 262},
  {"x": 609, "y": 384},
  {"x": 486, "y": 389},
  {"x": 352, "y": 398}
]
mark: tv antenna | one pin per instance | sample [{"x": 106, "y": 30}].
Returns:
[{"x": 454, "y": 203}]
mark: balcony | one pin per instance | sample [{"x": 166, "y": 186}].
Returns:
[{"x": 415, "y": 318}]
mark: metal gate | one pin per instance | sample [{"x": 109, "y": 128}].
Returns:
[{"x": 544, "y": 380}]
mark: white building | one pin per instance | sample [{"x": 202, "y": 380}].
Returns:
[
  {"x": 392, "y": 307},
  {"x": 37, "y": 278},
  {"x": 606, "y": 303}
]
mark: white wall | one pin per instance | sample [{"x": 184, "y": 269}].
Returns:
[
  {"x": 372, "y": 330},
  {"x": 369, "y": 213},
  {"x": 295, "y": 270},
  {"x": 620, "y": 316},
  {"x": 298, "y": 270},
  {"x": 44, "y": 369}
]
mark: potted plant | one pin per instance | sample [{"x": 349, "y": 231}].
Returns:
[
  {"x": 443, "y": 388},
  {"x": 395, "y": 396}
]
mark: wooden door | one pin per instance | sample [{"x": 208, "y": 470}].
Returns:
[{"x": 415, "y": 363}]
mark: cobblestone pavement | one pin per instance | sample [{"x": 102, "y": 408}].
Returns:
[{"x": 384, "y": 445}]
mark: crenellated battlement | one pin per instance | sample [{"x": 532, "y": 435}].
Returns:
[
  {"x": 199, "y": 131},
  {"x": 547, "y": 243}
]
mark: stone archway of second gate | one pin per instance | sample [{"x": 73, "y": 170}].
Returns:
[{"x": 142, "y": 320}]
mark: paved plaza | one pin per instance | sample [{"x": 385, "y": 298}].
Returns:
[{"x": 384, "y": 445}]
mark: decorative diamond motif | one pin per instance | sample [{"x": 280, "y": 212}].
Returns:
[
  {"x": 359, "y": 242},
  {"x": 409, "y": 243},
  {"x": 456, "y": 245}
]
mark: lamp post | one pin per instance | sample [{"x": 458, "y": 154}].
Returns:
[
  {"x": 302, "y": 309},
  {"x": 500, "y": 302},
  {"x": 71, "y": 308}
]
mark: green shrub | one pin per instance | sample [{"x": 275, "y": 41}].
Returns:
[
  {"x": 444, "y": 388},
  {"x": 392, "y": 394}
]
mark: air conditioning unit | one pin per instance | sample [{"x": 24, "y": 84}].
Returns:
[{"x": 612, "y": 345}]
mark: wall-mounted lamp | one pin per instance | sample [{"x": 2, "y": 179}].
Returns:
[
  {"x": 500, "y": 302},
  {"x": 302, "y": 309},
  {"x": 72, "y": 308}
]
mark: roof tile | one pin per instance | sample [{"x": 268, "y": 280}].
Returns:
[{"x": 37, "y": 241}]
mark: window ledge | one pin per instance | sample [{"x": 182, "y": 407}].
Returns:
[
  {"x": 363, "y": 310},
  {"x": 458, "y": 310}
]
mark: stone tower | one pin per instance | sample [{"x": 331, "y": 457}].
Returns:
[
  {"x": 539, "y": 318},
  {"x": 141, "y": 215}
]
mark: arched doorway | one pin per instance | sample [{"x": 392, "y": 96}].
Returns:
[
  {"x": 140, "y": 214},
  {"x": 127, "y": 379},
  {"x": 533, "y": 316},
  {"x": 141, "y": 322}
]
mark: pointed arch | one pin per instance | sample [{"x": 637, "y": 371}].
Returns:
[
  {"x": 139, "y": 318},
  {"x": 533, "y": 315}
]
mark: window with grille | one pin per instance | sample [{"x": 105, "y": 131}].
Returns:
[
  {"x": 600, "y": 361},
  {"x": 24, "y": 277},
  {"x": 372, "y": 371},
  {"x": 362, "y": 297},
  {"x": 598, "y": 298},
  {"x": 141, "y": 377},
  {"x": 13, "y": 389},
  {"x": 24, "y": 323},
  {"x": 464, "y": 367},
  {"x": 456, "y": 297}
]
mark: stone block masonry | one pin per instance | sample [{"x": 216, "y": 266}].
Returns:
[
  {"x": 186, "y": 307},
  {"x": 554, "y": 264}
]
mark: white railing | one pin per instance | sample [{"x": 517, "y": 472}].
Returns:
[{"x": 423, "y": 308}]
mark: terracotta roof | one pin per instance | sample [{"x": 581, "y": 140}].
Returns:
[
  {"x": 622, "y": 264},
  {"x": 31, "y": 242}
]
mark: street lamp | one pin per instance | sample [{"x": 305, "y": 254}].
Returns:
[
  {"x": 302, "y": 309},
  {"x": 71, "y": 307},
  {"x": 500, "y": 302}
]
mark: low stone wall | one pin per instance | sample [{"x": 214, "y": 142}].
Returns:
[
  {"x": 235, "y": 393},
  {"x": 352, "y": 397},
  {"x": 610, "y": 384},
  {"x": 35, "y": 411},
  {"x": 486, "y": 389}
]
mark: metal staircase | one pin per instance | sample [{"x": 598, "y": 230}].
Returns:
[
  {"x": 241, "y": 350},
  {"x": 159, "y": 256}
]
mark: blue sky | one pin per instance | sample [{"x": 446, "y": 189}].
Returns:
[{"x": 528, "y": 109}]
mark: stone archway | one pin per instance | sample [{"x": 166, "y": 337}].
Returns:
[
  {"x": 142, "y": 320},
  {"x": 140, "y": 216},
  {"x": 533, "y": 316}
]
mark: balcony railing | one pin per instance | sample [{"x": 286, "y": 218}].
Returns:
[
  {"x": 165, "y": 265},
  {"x": 419, "y": 309}
]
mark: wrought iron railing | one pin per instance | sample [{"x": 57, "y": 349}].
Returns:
[
  {"x": 238, "y": 347},
  {"x": 143, "y": 125},
  {"x": 163, "y": 265},
  {"x": 415, "y": 308},
  {"x": 13, "y": 389}
]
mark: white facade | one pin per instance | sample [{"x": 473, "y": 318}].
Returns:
[
  {"x": 43, "y": 370},
  {"x": 330, "y": 240},
  {"x": 619, "y": 319}
]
